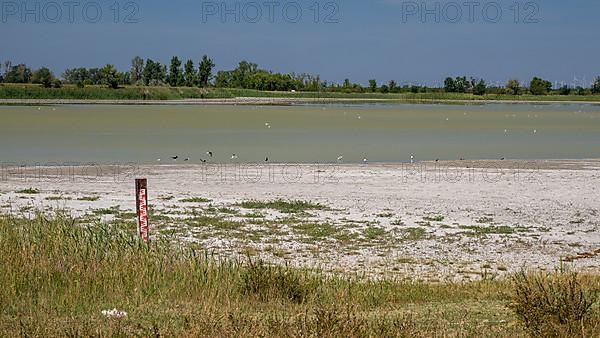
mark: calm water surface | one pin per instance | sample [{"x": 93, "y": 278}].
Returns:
[{"x": 382, "y": 133}]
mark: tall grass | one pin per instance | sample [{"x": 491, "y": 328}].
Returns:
[
  {"x": 553, "y": 304},
  {"x": 57, "y": 275}
]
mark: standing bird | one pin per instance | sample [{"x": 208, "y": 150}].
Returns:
[
  {"x": 340, "y": 158},
  {"x": 203, "y": 160},
  {"x": 186, "y": 159},
  {"x": 234, "y": 157},
  {"x": 365, "y": 160},
  {"x": 209, "y": 153},
  {"x": 266, "y": 159},
  {"x": 174, "y": 158},
  {"x": 158, "y": 160},
  {"x": 412, "y": 158}
]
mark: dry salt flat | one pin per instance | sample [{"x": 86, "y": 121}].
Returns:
[{"x": 433, "y": 221}]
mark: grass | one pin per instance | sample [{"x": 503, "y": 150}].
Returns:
[
  {"x": 436, "y": 218},
  {"x": 287, "y": 207},
  {"x": 28, "y": 191},
  {"x": 414, "y": 234},
  {"x": 29, "y": 91},
  {"x": 195, "y": 200},
  {"x": 58, "y": 275},
  {"x": 89, "y": 198},
  {"x": 488, "y": 230}
]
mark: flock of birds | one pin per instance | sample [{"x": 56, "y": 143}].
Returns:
[
  {"x": 339, "y": 159},
  {"x": 210, "y": 155},
  {"x": 234, "y": 157}
]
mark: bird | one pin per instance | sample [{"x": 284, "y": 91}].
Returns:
[
  {"x": 437, "y": 159},
  {"x": 340, "y": 158},
  {"x": 268, "y": 125},
  {"x": 174, "y": 158},
  {"x": 234, "y": 157},
  {"x": 203, "y": 160},
  {"x": 158, "y": 160},
  {"x": 187, "y": 159},
  {"x": 266, "y": 159},
  {"x": 209, "y": 153},
  {"x": 412, "y": 158},
  {"x": 535, "y": 131},
  {"x": 365, "y": 160},
  {"x": 502, "y": 159}
]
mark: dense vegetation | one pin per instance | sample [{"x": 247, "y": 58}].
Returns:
[
  {"x": 248, "y": 75},
  {"x": 58, "y": 275}
]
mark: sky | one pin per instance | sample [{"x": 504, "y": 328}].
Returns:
[{"x": 411, "y": 42}]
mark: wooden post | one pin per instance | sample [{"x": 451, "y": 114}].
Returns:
[{"x": 141, "y": 203}]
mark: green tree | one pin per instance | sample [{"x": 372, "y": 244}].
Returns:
[
  {"x": 110, "y": 76},
  {"x": 514, "y": 85},
  {"x": 76, "y": 75},
  {"x": 449, "y": 85},
  {"x": 223, "y": 79},
  {"x": 18, "y": 74},
  {"x": 461, "y": 84},
  {"x": 596, "y": 86},
  {"x": 480, "y": 88},
  {"x": 154, "y": 73},
  {"x": 189, "y": 74},
  {"x": 43, "y": 76},
  {"x": 384, "y": 89},
  {"x": 393, "y": 86},
  {"x": 175, "y": 77},
  {"x": 373, "y": 86},
  {"x": 137, "y": 70},
  {"x": 539, "y": 86},
  {"x": 205, "y": 71},
  {"x": 565, "y": 90}
]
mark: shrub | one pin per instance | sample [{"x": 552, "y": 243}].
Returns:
[
  {"x": 276, "y": 282},
  {"x": 551, "y": 304}
]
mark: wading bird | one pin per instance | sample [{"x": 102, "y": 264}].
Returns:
[
  {"x": 209, "y": 153},
  {"x": 174, "y": 158},
  {"x": 234, "y": 157},
  {"x": 340, "y": 158}
]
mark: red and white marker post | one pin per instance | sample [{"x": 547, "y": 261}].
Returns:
[{"x": 141, "y": 201}]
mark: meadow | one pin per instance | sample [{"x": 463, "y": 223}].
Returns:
[{"x": 58, "y": 275}]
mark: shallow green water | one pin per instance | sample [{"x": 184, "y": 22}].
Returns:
[{"x": 386, "y": 133}]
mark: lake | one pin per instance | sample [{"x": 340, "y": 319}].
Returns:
[{"x": 303, "y": 133}]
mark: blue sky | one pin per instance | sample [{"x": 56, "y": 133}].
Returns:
[{"x": 382, "y": 39}]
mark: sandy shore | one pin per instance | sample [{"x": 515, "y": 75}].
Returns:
[
  {"x": 273, "y": 101},
  {"x": 437, "y": 221}
]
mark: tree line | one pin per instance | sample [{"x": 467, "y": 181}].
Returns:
[{"x": 248, "y": 75}]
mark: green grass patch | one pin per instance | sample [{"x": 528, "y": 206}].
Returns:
[
  {"x": 28, "y": 191},
  {"x": 436, "y": 218},
  {"x": 288, "y": 207},
  {"x": 89, "y": 198},
  {"x": 476, "y": 230},
  {"x": 195, "y": 200}
]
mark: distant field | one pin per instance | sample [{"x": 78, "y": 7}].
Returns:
[{"x": 71, "y": 92}]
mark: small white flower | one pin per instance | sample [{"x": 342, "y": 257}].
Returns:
[{"x": 114, "y": 313}]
